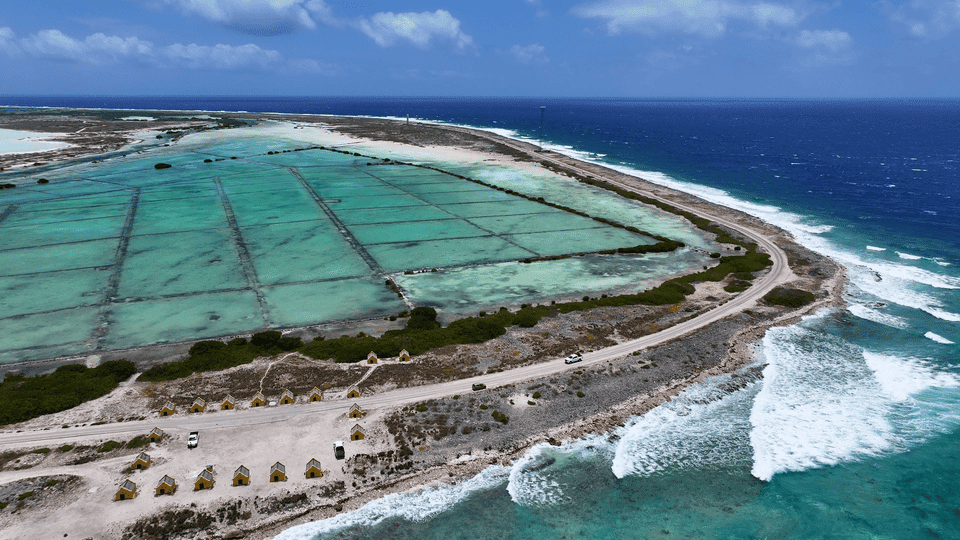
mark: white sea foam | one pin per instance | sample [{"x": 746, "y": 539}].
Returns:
[
  {"x": 698, "y": 428},
  {"x": 870, "y": 314},
  {"x": 538, "y": 478},
  {"x": 903, "y": 378},
  {"x": 940, "y": 262},
  {"x": 414, "y": 507},
  {"x": 874, "y": 248},
  {"x": 817, "y": 405},
  {"x": 938, "y": 338},
  {"x": 908, "y": 257}
]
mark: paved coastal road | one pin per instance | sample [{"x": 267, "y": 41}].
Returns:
[{"x": 776, "y": 274}]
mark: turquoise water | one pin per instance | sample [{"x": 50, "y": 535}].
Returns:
[{"x": 119, "y": 254}]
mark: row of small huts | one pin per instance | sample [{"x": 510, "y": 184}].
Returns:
[
  {"x": 204, "y": 479},
  {"x": 259, "y": 400}
]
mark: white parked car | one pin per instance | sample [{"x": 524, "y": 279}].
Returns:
[
  {"x": 573, "y": 358},
  {"x": 193, "y": 440}
]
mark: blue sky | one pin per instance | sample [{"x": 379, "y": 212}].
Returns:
[{"x": 630, "y": 48}]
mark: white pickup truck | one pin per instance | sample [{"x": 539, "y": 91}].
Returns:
[
  {"x": 573, "y": 358},
  {"x": 193, "y": 440}
]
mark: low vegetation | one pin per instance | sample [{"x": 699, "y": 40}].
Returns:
[
  {"x": 784, "y": 296},
  {"x": 23, "y": 398},
  {"x": 217, "y": 355}
]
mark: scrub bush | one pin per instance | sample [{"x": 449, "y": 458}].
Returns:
[{"x": 783, "y": 296}]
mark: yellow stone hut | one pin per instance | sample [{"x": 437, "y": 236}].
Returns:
[
  {"x": 204, "y": 480},
  {"x": 199, "y": 406},
  {"x": 278, "y": 473},
  {"x": 142, "y": 461},
  {"x": 316, "y": 395},
  {"x": 355, "y": 411},
  {"x": 128, "y": 490},
  {"x": 258, "y": 400},
  {"x": 156, "y": 435},
  {"x": 287, "y": 397},
  {"x": 168, "y": 409},
  {"x": 357, "y": 433},
  {"x": 353, "y": 392},
  {"x": 228, "y": 403},
  {"x": 241, "y": 477},
  {"x": 372, "y": 358},
  {"x": 166, "y": 486},
  {"x": 404, "y": 356},
  {"x": 313, "y": 469}
]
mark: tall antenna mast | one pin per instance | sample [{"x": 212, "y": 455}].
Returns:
[{"x": 543, "y": 108}]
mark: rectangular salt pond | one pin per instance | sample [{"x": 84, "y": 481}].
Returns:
[{"x": 239, "y": 245}]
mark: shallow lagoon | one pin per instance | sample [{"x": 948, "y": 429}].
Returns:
[{"x": 118, "y": 254}]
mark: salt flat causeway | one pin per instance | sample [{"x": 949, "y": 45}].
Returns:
[{"x": 242, "y": 233}]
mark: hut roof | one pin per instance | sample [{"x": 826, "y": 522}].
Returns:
[
  {"x": 242, "y": 470},
  {"x": 205, "y": 474},
  {"x": 357, "y": 428},
  {"x": 128, "y": 485},
  {"x": 404, "y": 352},
  {"x": 144, "y": 457},
  {"x": 167, "y": 480},
  {"x": 156, "y": 431},
  {"x": 372, "y": 355},
  {"x": 286, "y": 393},
  {"x": 200, "y": 401},
  {"x": 278, "y": 467},
  {"x": 229, "y": 398},
  {"x": 169, "y": 405},
  {"x": 259, "y": 395},
  {"x": 354, "y": 407},
  {"x": 352, "y": 388},
  {"x": 313, "y": 463}
]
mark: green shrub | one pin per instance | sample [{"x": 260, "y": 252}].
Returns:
[
  {"x": 783, "y": 296},
  {"x": 23, "y": 496},
  {"x": 66, "y": 448},
  {"x": 110, "y": 446},
  {"x": 580, "y": 394},
  {"x": 138, "y": 442},
  {"x": 421, "y": 408},
  {"x": 536, "y": 395},
  {"x": 23, "y": 398},
  {"x": 500, "y": 417},
  {"x": 42, "y": 451},
  {"x": 51, "y": 483}
]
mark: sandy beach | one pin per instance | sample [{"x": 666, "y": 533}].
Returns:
[{"x": 450, "y": 440}]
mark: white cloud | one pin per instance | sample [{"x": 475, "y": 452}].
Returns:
[
  {"x": 832, "y": 40},
  {"x": 530, "y": 54},
  {"x": 420, "y": 29},
  {"x": 259, "y": 17},
  {"x": 221, "y": 57},
  {"x": 7, "y": 43},
  {"x": 101, "y": 49},
  {"x": 95, "y": 49},
  {"x": 925, "y": 18},
  {"x": 700, "y": 17}
]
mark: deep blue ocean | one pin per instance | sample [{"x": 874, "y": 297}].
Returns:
[{"x": 854, "y": 429}]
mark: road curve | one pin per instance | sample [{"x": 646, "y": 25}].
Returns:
[{"x": 777, "y": 273}]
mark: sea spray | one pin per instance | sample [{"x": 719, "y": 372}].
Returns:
[
  {"x": 819, "y": 403},
  {"x": 702, "y": 426},
  {"x": 413, "y": 507}
]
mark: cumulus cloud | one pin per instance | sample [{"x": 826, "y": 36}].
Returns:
[
  {"x": 101, "y": 49},
  {"x": 221, "y": 57},
  {"x": 699, "y": 17},
  {"x": 7, "y": 43},
  {"x": 832, "y": 40},
  {"x": 259, "y": 17},
  {"x": 530, "y": 54},
  {"x": 925, "y": 18},
  {"x": 420, "y": 29},
  {"x": 95, "y": 49}
]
